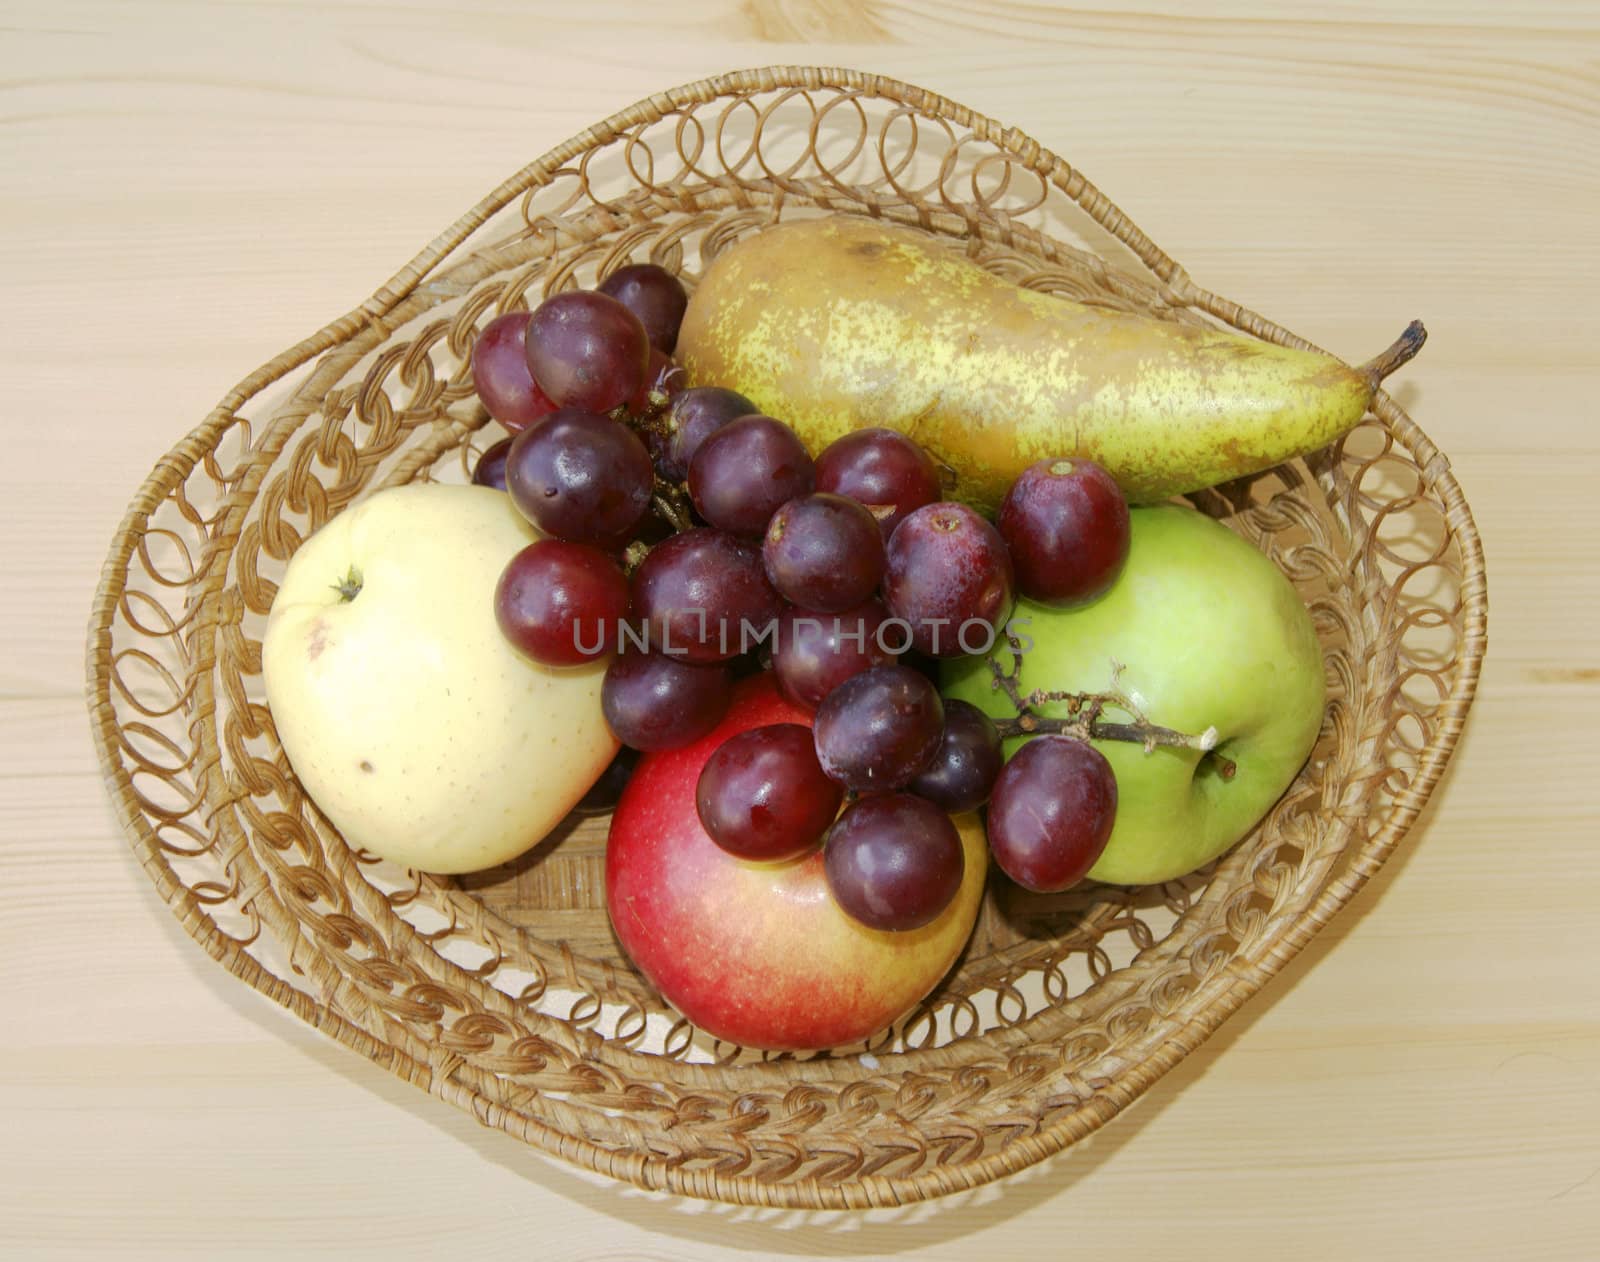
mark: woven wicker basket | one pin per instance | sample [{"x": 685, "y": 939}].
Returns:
[{"x": 504, "y": 993}]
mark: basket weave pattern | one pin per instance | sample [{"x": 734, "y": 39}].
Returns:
[{"x": 504, "y": 992}]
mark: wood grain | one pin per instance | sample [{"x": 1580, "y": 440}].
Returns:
[{"x": 189, "y": 189}]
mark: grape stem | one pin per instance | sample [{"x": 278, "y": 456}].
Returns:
[
  {"x": 670, "y": 499},
  {"x": 633, "y": 556},
  {"x": 1085, "y": 719},
  {"x": 671, "y": 504}
]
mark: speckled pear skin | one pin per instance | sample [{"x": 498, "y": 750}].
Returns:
[{"x": 840, "y": 323}]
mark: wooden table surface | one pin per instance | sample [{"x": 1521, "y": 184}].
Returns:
[{"x": 190, "y": 188}]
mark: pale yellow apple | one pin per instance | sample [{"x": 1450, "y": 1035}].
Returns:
[{"x": 417, "y": 729}]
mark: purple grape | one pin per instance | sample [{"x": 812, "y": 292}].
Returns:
[
  {"x": 490, "y": 470},
  {"x": 878, "y": 729},
  {"x": 1066, "y": 524},
  {"x": 501, "y": 376},
  {"x": 692, "y": 417},
  {"x": 653, "y": 294},
  {"x": 894, "y": 861},
  {"x": 816, "y": 652},
  {"x": 663, "y": 381},
  {"x": 949, "y": 576},
  {"x": 882, "y": 469},
  {"x": 1051, "y": 813},
  {"x": 745, "y": 471},
  {"x": 653, "y": 702},
  {"x": 581, "y": 477},
  {"x": 968, "y": 759},
  {"x": 823, "y": 552},
  {"x": 702, "y": 595},
  {"x": 586, "y": 350},
  {"x": 561, "y": 603},
  {"x": 763, "y": 795}
]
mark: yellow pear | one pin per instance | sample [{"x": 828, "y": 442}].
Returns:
[{"x": 841, "y": 323}]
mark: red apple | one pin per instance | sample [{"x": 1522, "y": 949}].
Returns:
[{"x": 759, "y": 953}]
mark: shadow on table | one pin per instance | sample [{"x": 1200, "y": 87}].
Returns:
[{"x": 879, "y": 1231}]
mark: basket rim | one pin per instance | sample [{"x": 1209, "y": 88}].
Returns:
[{"x": 652, "y": 1171}]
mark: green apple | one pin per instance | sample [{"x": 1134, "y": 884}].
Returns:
[
  {"x": 1210, "y": 634},
  {"x": 416, "y": 728}
]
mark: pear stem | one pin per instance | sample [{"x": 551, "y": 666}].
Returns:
[{"x": 1402, "y": 351}]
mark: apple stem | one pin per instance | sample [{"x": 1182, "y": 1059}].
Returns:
[
  {"x": 1083, "y": 719},
  {"x": 349, "y": 587}
]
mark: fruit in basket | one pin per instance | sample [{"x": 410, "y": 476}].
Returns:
[
  {"x": 415, "y": 726},
  {"x": 893, "y": 861},
  {"x": 501, "y": 376},
  {"x": 562, "y": 603},
  {"x": 655, "y": 701},
  {"x": 1209, "y": 633},
  {"x": 823, "y": 552},
  {"x": 877, "y": 730},
  {"x": 586, "y": 350},
  {"x": 581, "y": 477},
  {"x": 962, "y": 771},
  {"x": 1051, "y": 815},
  {"x": 845, "y": 322},
  {"x": 662, "y": 382},
  {"x": 1066, "y": 525},
  {"x": 882, "y": 469},
  {"x": 653, "y": 294},
  {"x": 764, "y": 795},
  {"x": 745, "y": 471},
  {"x": 692, "y": 417},
  {"x": 761, "y": 954},
  {"x": 949, "y": 575},
  {"x": 490, "y": 470},
  {"x": 701, "y": 593},
  {"x": 814, "y": 652}
]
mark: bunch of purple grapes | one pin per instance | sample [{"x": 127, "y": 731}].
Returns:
[{"x": 848, "y": 575}]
